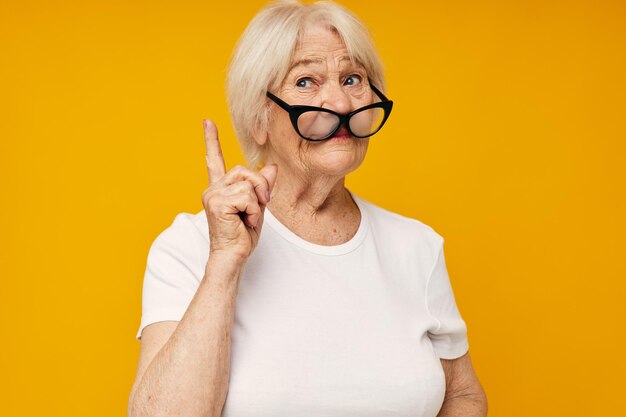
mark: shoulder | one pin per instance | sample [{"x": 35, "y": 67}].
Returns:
[
  {"x": 400, "y": 229},
  {"x": 185, "y": 238},
  {"x": 175, "y": 267},
  {"x": 184, "y": 227}
]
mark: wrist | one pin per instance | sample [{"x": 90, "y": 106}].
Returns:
[
  {"x": 227, "y": 258},
  {"x": 224, "y": 267}
]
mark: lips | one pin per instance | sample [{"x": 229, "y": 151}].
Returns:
[{"x": 342, "y": 133}]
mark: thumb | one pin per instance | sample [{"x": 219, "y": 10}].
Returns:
[{"x": 270, "y": 172}]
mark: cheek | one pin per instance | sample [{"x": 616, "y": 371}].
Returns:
[
  {"x": 282, "y": 132},
  {"x": 361, "y": 151},
  {"x": 363, "y": 148}
]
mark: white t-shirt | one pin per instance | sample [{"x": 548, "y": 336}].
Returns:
[{"x": 355, "y": 329}]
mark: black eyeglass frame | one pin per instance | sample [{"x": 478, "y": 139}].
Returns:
[{"x": 344, "y": 119}]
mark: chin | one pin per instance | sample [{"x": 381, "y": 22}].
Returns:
[{"x": 339, "y": 163}]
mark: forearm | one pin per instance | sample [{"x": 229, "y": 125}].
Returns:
[
  {"x": 189, "y": 376},
  {"x": 469, "y": 405}
]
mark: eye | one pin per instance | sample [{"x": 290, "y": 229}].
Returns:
[
  {"x": 353, "y": 79},
  {"x": 304, "y": 82}
]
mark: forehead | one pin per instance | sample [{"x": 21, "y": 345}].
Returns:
[{"x": 317, "y": 43}]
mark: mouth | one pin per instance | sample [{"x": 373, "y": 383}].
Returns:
[{"x": 341, "y": 135}]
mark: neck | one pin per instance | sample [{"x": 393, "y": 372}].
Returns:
[
  {"x": 308, "y": 198},
  {"x": 315, "y": 206}
]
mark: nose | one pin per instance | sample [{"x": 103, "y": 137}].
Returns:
[{"x": 336, "y": 98}]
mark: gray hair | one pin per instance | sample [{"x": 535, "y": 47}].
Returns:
[{"x": 263, "y": 56}]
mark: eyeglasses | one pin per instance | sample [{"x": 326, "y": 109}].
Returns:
[{"x": 317, "y": 124}]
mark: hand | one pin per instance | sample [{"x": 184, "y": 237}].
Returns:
[{"x": 235, "y": 201}]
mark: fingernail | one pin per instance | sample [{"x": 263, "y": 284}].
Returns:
[
  {"x": 204, "y": 123},
  {"x": 267, "y": 196}
]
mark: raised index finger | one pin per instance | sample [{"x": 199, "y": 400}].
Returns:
[{"x": 214, "y": 157}]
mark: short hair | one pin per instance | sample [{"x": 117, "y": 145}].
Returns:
[{"x": 263, "y": 55}]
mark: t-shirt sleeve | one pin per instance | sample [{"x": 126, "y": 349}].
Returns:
[
  {"x": 173, "y": 273},
  {"x": 449, "y": 338}
]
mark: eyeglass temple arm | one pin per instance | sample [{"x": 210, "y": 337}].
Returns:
[
  {"x": 278, "y": 101},
  {"x": 378, "y": 92}
]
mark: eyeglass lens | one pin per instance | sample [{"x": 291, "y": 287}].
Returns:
[{"x": 317, "y": 125}]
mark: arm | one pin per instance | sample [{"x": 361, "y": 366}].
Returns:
[
  {"x": 184, "y": 369},
  {"x": 465, "y": 396}
]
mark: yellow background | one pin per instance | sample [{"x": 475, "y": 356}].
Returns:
[{"x": 507, "y": 137}]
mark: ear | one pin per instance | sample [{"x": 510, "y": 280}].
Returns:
[
  {"x": 260, "y": 136},
  {"x": 260, "y": 133}
]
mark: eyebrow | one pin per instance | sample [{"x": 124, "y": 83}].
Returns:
[{"x": 309, "y": 61}]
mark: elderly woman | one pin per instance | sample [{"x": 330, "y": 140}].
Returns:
[{"x": 288, "y": 295}]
